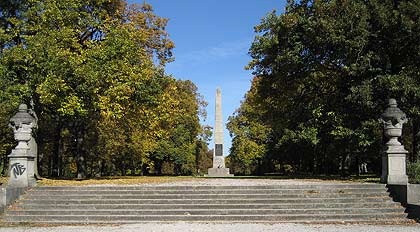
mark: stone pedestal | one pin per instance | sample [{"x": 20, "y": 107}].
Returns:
[
  {"x": 19, "y": 169},
  {"x": 393, "y": 158},
  {"x": 219, "y": 172},
  {"x": 22, "y": 158},
  {"x": 394, "y": 168},
  {"x": 219, "y": 169}
]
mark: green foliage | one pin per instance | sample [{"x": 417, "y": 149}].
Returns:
[
  {"x": 413, "y": 172},
  {"x": 94, "y": 71},
  {"x": 325, "y": 70},
  {"x": 249, "y": 136}
]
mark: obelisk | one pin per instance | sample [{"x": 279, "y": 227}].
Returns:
[{"x": 219, "y": 168}]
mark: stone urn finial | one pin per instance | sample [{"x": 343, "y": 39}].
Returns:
[
  {"x": 21, "y": 117},
  {"x": 21, "y": 158},
  {"x": 393, "y": 119},
  {"x": 393, "y": 158}
]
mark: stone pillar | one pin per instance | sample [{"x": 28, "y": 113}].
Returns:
[
  {"x": 219, "y": 168},
  {"x": 33, "y": 146},
  {"x": 394, "y": 156},
  {"x": 22, "y": 159}
]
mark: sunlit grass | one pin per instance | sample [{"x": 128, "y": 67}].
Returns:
[
  {"x": 114, "y": 180},
  {"x": 353, "y": 178},
  {"x": 4, "y": 180}
]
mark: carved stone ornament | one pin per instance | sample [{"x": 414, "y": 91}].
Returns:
[
  {"x": 394, "y": 156},
  {"x": 21, "y": 159},
  {"x": 393, "y": 119},
  {"x": 21, "y": 117}
]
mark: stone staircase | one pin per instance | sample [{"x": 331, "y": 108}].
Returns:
[{"x": 312, "y": 203}]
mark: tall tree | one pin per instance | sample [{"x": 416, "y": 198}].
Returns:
[
  {"x": 249, "y": 144},
  {"x": 326, "y": 69},
  {"x": 95, "y": 73}
]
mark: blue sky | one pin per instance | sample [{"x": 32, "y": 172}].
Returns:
[{"x": 212, "y": 39}]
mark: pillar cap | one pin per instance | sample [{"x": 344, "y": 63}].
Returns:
[
  {"x": 22, "y": 116},
  {"x": 393, "y": 114}
]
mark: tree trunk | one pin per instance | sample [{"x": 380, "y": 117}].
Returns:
[
  {"x": 144, "y": 170},
  {"x": 81, "y": 168},
  {"x": 80, "y": 159},
  {"x": 315, "y": 169},
  {"x": 415, "y": 146},
  {"x": 5, "y": 171},
  {"x": 133, "y": 168},
  {"x": 123, "y": 171},
  {"x": 55, "y": 169},
  {"x": 359, "y": 171}
]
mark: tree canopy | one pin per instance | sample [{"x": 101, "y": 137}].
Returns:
[
  {"x": 94, "y": 73},
  {"x": 324, "y": 71}
]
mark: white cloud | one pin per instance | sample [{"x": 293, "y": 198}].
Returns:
[{"x": 218, "y": 52}]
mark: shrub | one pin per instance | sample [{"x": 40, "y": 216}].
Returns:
[
  {"x": 168, "y": 168},
  {"x": 413, "y": 172}
]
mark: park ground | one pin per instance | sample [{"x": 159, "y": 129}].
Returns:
[
  {"x": 139, "y": 180},
  {"x": 204, "y": 226}
]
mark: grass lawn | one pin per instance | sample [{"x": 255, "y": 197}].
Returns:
[
  {"x": 3, "y": 180},
  {"x": 353, "y": 178},
  {"x": 114, "y": 180}
]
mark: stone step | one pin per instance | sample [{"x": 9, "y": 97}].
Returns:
[
  {"x": 210, "y": 187},
  {"x": 229, "y": 191},
  {"x": 196, "y": 189},
  {"x": 307, "y": 205},
  {"x": 60, "y": 212},
  {"x": 270, "y": 200},
  {"x": 260, "y": 203},
  {"x": 358, "y": 221},
  {"x": 398, "y": 217},
  {"x": 203, "y": 196}
]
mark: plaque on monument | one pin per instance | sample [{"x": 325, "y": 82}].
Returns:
[{"x": 219, "y": 150}]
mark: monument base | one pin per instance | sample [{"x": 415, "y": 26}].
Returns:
[
  {"x": 219, "y": 172},
  {"x": 21, "y": 172},
  {"x": 394, "y": 167}
]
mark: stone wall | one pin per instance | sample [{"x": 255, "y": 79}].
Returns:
[
  {"x": 8, "y": 195},
  {"x": 2, "y": 199},
  {"x": 413, "y": 194},
  {"x": 408, "y": 196}
]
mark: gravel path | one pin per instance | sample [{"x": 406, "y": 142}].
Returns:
[
  {"x": 243, "y": 182},
  {"x": 210, "y": 227}
]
